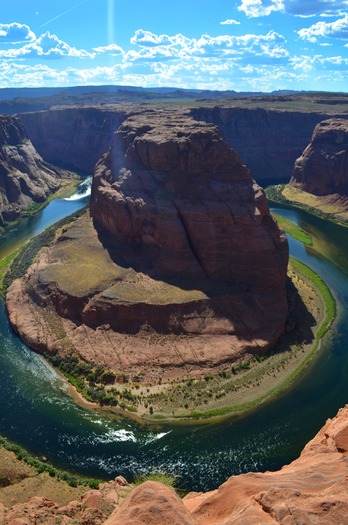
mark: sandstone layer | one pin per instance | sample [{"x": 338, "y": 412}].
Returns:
[
  {"x": 268, "y": 139},
  {"x": 312, "y": 490},
  {"x": 74, "y": 137},
  {"x": 25, "y": 177},
  {"x": 183, "y": 270},
  {"x": 322, "y": 169}
]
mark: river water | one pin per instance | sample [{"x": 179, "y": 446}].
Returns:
[{"x": 37, "y": 412}]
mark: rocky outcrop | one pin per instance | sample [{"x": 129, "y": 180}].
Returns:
[
  {"x": 268, "y": 141},
  {"x": 74, "y": 137},
  {"x": 312, "y": 490},
  {"x": 322, "y": 169},
  {"x": 24, "y": 177},
  {"x": 173, "y": 188},
  {"x": 182, "y": 244}
]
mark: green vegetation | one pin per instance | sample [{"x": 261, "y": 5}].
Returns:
[
  {"x": 5, "y": 265},
  {"x": 156, "y": 475},
  {"x": 43, "y": 466},
  {"x": 311, "y": 204},
  {"x": 95, "y": 382},
  {"x": 292, "y": 229},
  {"x": 325, "y": 292},
  {"x": 15, "y": 265}
]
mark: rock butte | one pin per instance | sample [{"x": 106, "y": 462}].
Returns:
[
  {"x": 183, "y": 246},
  {"x": 25, "y": 177},
  {"x": 322, "y": 169},
  {"x": 320, "y": 175},
  {"x": 312, "y": 490}
]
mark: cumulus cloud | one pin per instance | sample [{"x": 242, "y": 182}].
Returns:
[
  {"x": 256, "y": 8},
  {"x": 309, "y": 63},
  {"x": 315, "y": 7},
  {"x": 148, "y": 39},
  {"x": 336, "y": 29},
  {"x": 303, "y": 8},
  {"x": 229, "y": 21},
  {"x": 46, "y": 46},
  {"x": 164, "y": 47},
  {"x": 15, "y": 33},
  {"x": 111, "y": 49},
  {"x": 19, "y": 74}
]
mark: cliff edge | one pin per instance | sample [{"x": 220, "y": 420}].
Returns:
[{"x": 25, "y": 178}]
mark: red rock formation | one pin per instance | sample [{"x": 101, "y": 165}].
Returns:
[
  {"x": 322, "y": 169},
  {"x": 311, "y": 490},
  {"x": 24, "y": 177},
  {"x": 267, "y": 140},
  {"x": 75, "y": 137},
  {"x": 172, "y": 187}
]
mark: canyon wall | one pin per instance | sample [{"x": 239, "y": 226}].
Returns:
[
  {"x": 25, "y": 178},
  {"x": 74, "y": 137},
  {"x": 322, "y": 169},
  {"x": 267, "y": 141}
]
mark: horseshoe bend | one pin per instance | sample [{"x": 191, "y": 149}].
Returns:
[{"x": 178, "y": 271}]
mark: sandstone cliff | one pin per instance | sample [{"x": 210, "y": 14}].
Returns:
[
  {"x": 24, "y": 177},
  {"x": 322, "y": 169},
  {"x": 268, "y": 141},
  {"x": 183, "y": 245},
  {"x": 74, "y": 137},
  {"x": 313, "y": 490}
]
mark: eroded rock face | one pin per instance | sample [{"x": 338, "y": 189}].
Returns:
[
  {"x": 322, "y": 169},
  {"x": 173, "y": 188},
  {"x": 24, "y": 176},
  {"x": 74, "y": 137},
  {"x": 268, "y": 141}
]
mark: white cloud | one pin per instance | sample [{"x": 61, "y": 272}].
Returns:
[
  {"x": 147, "y": 39},
  {"x": 308, "y": 63},
  {"x": 177, "y": 47},
  {"x": 46, "y": 46},
  {"x": 229, "y": 21},
  {"x": 315, "y": 7},
  {"x": 302, "y": 8},
  {"x": 336, "y": 29},
  {"x": 256, "y": 8},
  {"x": 112, "y": 49},
  {"x": 15, "y": 33}
]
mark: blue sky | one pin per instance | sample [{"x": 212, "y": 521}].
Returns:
[{"x": 243, "y": 45}]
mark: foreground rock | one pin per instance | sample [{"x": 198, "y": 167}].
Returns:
[
  {"x": 313, "y": 490},
  {"x": 183, "y": 244},
  {"x": 25, "y": 178}
]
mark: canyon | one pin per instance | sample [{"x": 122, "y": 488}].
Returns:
[
  {"x": 140, "y": 185},
  {"x": 181, "y": 268},
  {"x": 268, "y": 133},
  {"x": 25, "y": 178}
]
